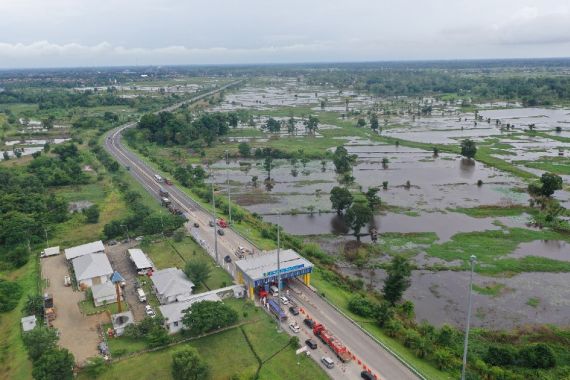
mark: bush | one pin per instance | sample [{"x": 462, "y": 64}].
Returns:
[
  {"x": 444, "y": 359},
  {"x": 55, "y": 364},
  {"x": 362, "y": 306},
  {"x": 501, "y": 356},
  {"x": 188, "y": 365},
  {"x": 92, "y": 214},
  {"x": 39, "y": 340},
  {"x": 95, "y": 367},
  {"x": 10, "y": 293},
  {"x": 538, "y": 355}
]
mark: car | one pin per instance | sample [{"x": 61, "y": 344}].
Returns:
[
  {"x": 311, "y": 344},
  {"x": 128, "y": 167},
  {"x": 196, "y": 225},
  {"x": 284, "y": 300},
  {"x": 228, "y": 259},
  {"x": 148, "y": 310},
  {"x": 211, "y": 223},
  {"x": 366, "y": 375},
  {"x": 309, "y": 322},
  {"x": 221, "y": 232},
  {"x": 294, "y": 326},
  {"x": 167, "y": 181},
  {"x": 294, "y": 310},
  {"x": 328, "y": 362}
]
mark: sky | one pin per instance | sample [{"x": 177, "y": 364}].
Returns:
[{"x": 69, "y": 33}]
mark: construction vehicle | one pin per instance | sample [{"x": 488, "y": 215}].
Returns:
[
  {"x": 276, "y": 309},
  {"x": 336, "y": 345}
]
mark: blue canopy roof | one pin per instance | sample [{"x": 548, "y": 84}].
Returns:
[{"x": 116, "y": 277}]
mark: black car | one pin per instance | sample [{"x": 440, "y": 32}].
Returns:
[
  {"x": 294, "y": 310},
  {"x": 221, "y": 232},
  {"x": 309, "y": 322},
  {"x": 366, "y": 375},
  {"x": 311, "y": 343},
  {"x": 228, "y": 259},
  {"x": 196, "y": 225}
]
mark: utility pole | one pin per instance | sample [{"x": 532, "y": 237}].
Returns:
[
  {"x": 47, "y": 241},
  {"x": 279, "y": 266},
  {"x": 127, "y": 228},
  {"x": 215, "y": 224},
  {"x": 472, "y": 259},
  {"x": 229, "y": 191}
]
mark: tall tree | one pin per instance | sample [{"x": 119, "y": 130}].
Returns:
[
  {"x": 341, "y": 199},
  {"x": 342, "y": 160},
  {"x": 206, "y": 316},
  {"x": 188, "y": 365},
  {"x": 550, "y": 183},
  {"x": 54, "y": 364},
  {"x": 398, "y": 279},
  {"x": 374, "y": 122},
  {"x": 357, "y": 216},
  {"x": 468, "y": 148},
  {"x": 267, "y": 165},
  {"x": 372, "y": 198},
  {"x": 312, "y": 123},
  {"x": 198, "y": 271}
]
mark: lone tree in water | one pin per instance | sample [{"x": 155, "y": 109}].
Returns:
[
  {"x": 341, "y": 199},
  {"x": 468, "y": 148},
  {"x": 398, "y": 279},
  {"x": 357, "y": 216}
]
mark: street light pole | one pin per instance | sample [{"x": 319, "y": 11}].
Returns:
[
  {"x": 229, "y": 191},
  {"x": 472, "y": 259},
  {"x": 215, "y": 225},
  {"x": 279, "y": 265}
]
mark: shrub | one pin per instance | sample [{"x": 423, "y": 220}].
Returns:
[
  {"x": 538, "y": 355},
  {"x": 444, "y": 359},
  {"x": 10, "y": 293},
  {"x": 501, "y": 356},
  {"x": 362, "y": 306}
]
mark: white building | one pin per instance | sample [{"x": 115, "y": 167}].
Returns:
[
  {"x": 29, "y": 323},
  {"x": 84, "y": 249},
  {"x": 51, "y": 251},
  {"x": 141, "y": 261},
  {"x": 174, "y": 312},
  {"x": 171, "y": 285},
  {"x": 92, "y": 269},
  {"x": 105, "y": 293}
]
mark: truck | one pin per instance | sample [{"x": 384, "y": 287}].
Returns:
[
  {"x": 330, "y": 340},
  {"x": 165, "y": 201},
  {"x": 222, "y": 223},
  {"x": 276, "y": 309}
]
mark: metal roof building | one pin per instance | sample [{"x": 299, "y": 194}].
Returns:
[
  {"x": 141, "y": 260},
  {"x": 171, "y": 285},
  {"x": 174, "y": 312},
  {"x": 92, "y": 269},
  {"x": 261, "y": 270},
  {"x": 51, "y": 251},
  {"x": 85, "y": 249}
]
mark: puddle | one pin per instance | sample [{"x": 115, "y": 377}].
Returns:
[{"x": 551, "y": 249}]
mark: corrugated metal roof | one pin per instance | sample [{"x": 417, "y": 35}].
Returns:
[
  {"x": 265, "y": 264},
  {"x": 140, "y": 259},
  {"x": 91, "y": 265},
  {"x": 85, "y": 249},
  {"x": 174, "y": 312},
  {"x": 104, "y": 290},
  {"x": 171, "y": 282}
]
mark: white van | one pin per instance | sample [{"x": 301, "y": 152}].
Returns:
[
  {"x": 141, "y": 295},
  {"x": 328, "y": 362},
  {"x": 273, "y": 290}
]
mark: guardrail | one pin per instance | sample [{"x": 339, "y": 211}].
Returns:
[{"x": 383, "y": 345}]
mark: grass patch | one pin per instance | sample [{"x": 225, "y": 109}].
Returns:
[
  {"x": 492, "y": 290},
  {"x": 533, "y": 302},
  {"x": 490, "y": 247},
  {"x": 408, "y": 244},
  {"x": 89, "y": 308},
  {"x": 493, "y": 211}
]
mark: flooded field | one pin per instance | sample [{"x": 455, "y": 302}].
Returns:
[{"x": 441, "y": 297}]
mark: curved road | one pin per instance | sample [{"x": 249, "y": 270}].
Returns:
[{"x": 380, "y": 361}]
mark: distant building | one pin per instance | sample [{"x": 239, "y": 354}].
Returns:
[
  {"x": 29, "y": 323},
  {"x": 92, "y": 269},
  {"x": 174, "y": 312},
  {"x": 141, "y": 261},
  {"x": 105, "y": 293},
  {"x": 84, "y": 249},
  {"x": 171, "y": 285}
]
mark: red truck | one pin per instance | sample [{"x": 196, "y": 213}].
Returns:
[
  {"x": 222, "y": 223},
  {"x": 329, "y": 339}
]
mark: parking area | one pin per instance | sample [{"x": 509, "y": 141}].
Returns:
[
  {"x": 78, "y": 333},
  {"x": 121, "y": 263}
]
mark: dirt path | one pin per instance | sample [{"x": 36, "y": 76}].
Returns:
[{"x": 78, "y": 333}]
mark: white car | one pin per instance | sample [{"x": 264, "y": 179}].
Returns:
[
  {"x": 284, "y": 300},
  {"x": 294, "y": 326},
  {"x": 148, "y": 310}
]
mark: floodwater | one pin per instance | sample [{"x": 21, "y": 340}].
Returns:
[
  {"x": 543, "y": 118},
  {"x": 551, "y": 249},
  {"x": 441, "y": 297},
  {"x": 445, "y": 225}
]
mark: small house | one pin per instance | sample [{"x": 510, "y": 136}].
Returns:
[
  {"x": 29, "y": 323},
  {"x": 105, "y": 293},
  {"x": 171, "y": 285},
  {"x": 92, "y": 269},
  {"x": 174, "y": 312}
]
